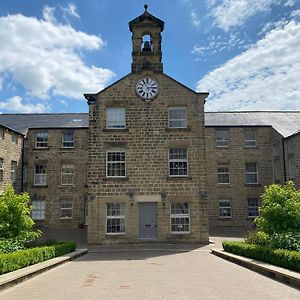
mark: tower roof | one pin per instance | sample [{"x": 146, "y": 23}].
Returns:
[{"x": 146, "y": 16}]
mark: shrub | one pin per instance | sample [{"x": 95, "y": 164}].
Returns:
[
  {"x": 280, "y": 257},
  {"x": 286, "y": 240},
  {"x": 15, "y": 219},
  {"x": 23, "y": 258},
  {"x": 258, "y": 238},
  {"x": 7, "y": 246},
  {"x": 280, "y": 209}
]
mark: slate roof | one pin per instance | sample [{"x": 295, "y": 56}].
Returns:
[
  {"x": 21, "y": 122},
  {"x": 286, "y": 123}
]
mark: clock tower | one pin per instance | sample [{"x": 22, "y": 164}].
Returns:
[{"x": 146, "y": 42}]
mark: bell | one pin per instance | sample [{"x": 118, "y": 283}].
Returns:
[{"x": 147, "y": 47}]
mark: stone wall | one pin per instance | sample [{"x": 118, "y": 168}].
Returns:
[
  {"x": 235, "y": 156},
  {"x": 147, "y": 140},
  {"x": 10, "y": 151},
  {"x": 54, "y": 192}
]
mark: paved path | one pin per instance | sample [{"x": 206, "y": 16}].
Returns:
[{"x": 151, "y": 274}]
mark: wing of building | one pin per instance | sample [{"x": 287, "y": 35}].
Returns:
[{"x": 146, "y": 163}]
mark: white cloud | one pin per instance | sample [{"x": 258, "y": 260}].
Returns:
[
  {"x": 265, "y": 77},
  {"x": 15, "y": 105},
  {"x": 195, "y": 19},
  {"x": 48, "y": 14},
  {"x": 295, "y": 13},
  {"x": 289, "y": 3},
  {"x": 232, "y": 13},
  {"x": 71, "y": 10},
  {"x": 44, "y": 57}
]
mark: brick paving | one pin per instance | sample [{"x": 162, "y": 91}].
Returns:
[{"x": 150, "y": 274}]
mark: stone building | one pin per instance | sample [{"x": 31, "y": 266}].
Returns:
[
  {"x": 146, "y": 163},
  {"x": 11, "y": 144}
]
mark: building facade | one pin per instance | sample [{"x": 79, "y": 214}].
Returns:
[{"x": 146, "y": 164}]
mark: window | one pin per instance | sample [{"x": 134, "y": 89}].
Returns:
[
  {"x": 40, "y": 176},
  {"x": 13, "y": 171},
  {"x": 115, "y": 218},
  {"x": 2, "y": 131},
  {"x": 251, "y": 173},
  {"x": 38, "y": 209},
  {"x": 250, "y": 138},
  {"x": 1, "y": 169},
  {"x": 178, "y": 162},
  {"x": 115, "y": 118},
  {"x": 115, "y": 163},
  {"x": 68, "y": 139},
  {"x": 177, "y": 117},
  {"x": 180, "y": 218},
  {"x": 253, "y": 205},
  {"x": 66, "y": 209},
  {"x": 14, "y": 138},
  {"x": 223, "y": 174},
  {"x": 222, "y": 138},
  {"x": 41, "y": 140},
  {"x": 224, "y": 208},
  {"x": 67, "y": 174}
]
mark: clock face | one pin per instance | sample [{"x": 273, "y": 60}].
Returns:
[{"x": 147, "y": 88}]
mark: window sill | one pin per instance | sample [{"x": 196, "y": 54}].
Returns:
[
  {"x": 252, "y": 184},
  {"x": 41, "y": 148},
  {"x": 222, "y": 147},
  {"x": 177, "y": 129},
  {"x": 117, "y": 130},
  {"x": 66, "y": 218},
  {"x": 221, "y": 185},
  {"x": 115, "y": 179},
  {"x": 39, "y": 186},
  {"x": 180, "y": 233},
  {"x": 179, "y": 178},
  {"x": 115, "y": 234},
  {"x": 67, "y": 148}
]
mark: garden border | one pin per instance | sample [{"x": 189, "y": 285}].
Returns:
[{"x": 9, "y": 279}]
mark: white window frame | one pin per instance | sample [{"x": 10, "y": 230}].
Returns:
[
  {"x": 14, "y": 138},
  {"x": 13, "y": 171},
  {"x": 38, "y": 210},
  {"x": 252, "y": 208},
  {"x": 66, "y": 206},
  {"x": 67, "y": 144},
  {"x": 40, "y": 176},
  {"x": 67, "y": 172},
  {"x": 179, "y": 213},
  {"x": 114, "y": 212},
  {"x": 223, "y": 207},
  {"x": 182, "y": 160},
  {"x": 221, "y": 174},
  {"x": 173, "y": 120},
  {"x": 223, "y": 142},
  {"x": 115, "y": 118},
  {"x": 120, "y": 151},
  {"x": 250, "y": 142},
  {"x": 251, "y": 173},
  {"x": 43, "y": 143}
]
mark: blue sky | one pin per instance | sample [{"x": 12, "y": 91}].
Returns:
[{"x": 245, "y": 53}]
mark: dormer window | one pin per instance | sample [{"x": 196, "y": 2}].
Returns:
[{"x": 147, "y": 45}]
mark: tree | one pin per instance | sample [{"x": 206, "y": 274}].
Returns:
[
  {"x": 15, "y": 219},
  {"x": 280, "y": 209}
]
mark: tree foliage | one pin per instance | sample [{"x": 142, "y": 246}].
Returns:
[
  {"x": 15, "y": 219},
  {"x": 280, "y": 209}
]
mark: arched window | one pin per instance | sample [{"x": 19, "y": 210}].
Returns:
[{"x": 146, "y": 45}]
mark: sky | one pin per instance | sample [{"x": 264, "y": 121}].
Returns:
[{"x": 245, "y": 53}]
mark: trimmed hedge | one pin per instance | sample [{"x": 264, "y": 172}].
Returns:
[
  {"x": 279, "y": 257},
  {"x": 24, "y": 258}
]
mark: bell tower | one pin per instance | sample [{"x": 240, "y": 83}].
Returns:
[{"x": 146, "y": 42}]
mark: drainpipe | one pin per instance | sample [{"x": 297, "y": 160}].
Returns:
[
  {"x": 22, "y": 165},
  {"x": 284, "y": 164}
]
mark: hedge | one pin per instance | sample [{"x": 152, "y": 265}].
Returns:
[
  {"x": 279, "y": 257},
  {"x": 24, "y": 258}
]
